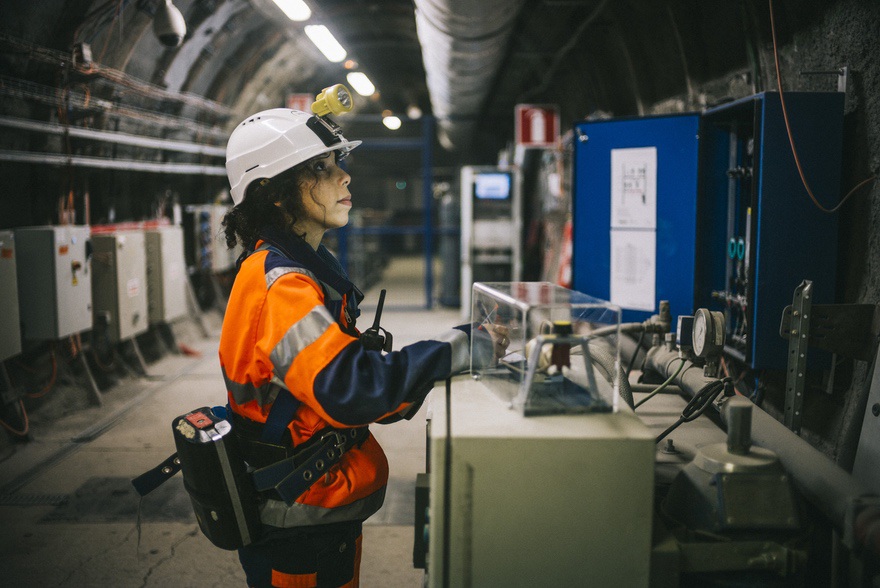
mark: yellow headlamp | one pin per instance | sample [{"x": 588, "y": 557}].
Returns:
[{"x": 336, "y": 99}]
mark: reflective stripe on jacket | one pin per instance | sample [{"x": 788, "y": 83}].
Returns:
[{"x": 287, "y": 330}]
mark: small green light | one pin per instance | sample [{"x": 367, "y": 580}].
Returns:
[{"x": 401, "y": 185}]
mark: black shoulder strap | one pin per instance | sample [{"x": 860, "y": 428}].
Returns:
[{"x": 280, "y": 415}]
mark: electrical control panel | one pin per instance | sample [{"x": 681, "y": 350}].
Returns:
[
  {"x": 491, "y": 225},
  {"x": 207, "y": 239},
  {"x": 166, "y": 274},
  {"x": 759, "y": 234},
  {"x": 119, "y": 283},
  {"x": 10, "y": 329},
  {"x": 54, "y": 281},
  {"x": 634, "y": 212}
]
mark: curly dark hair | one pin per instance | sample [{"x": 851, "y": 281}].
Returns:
[{"x": 260, "y": 206}]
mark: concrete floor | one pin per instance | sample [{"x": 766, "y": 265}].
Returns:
[{"x": 69, "y": 516}]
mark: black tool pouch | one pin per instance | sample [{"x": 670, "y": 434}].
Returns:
[{"x": 216, "y": 479}]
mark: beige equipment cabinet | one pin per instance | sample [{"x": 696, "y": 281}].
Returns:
[
  {"x": 561, "y": 500},
  {"x": 166, "y": 274},
  {"x": 119, "y": 282},
  {"x": 54, "y": 281}
]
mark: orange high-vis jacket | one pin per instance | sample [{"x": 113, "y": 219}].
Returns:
[{"x": 289, "y": 329}]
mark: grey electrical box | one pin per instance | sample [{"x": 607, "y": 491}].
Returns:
[
  {"x": 10, "y": 329},
  {"x": 166, "y": 274},
  {"x": 119, "y": 283},
  {"x": 209, "y": 239},
  {"x": 54, "y": 281}
]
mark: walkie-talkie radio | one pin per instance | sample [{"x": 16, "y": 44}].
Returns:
[{"x": 373, "y": 339}]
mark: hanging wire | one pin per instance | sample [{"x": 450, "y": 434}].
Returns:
[
  {"x": 662, "y": 386},
  {"x": 140, "y": 87},
  {"x": 635, "y": 354},
  {"x": 794, "y": 152},
  {"x": 697, "y": 406},
  {"x": 23, "y": 432},
  {"x": 107, "y": 367},
  {"x": 84, "y": 101},
  {"x": 120, "y": 5},
  {"x": 52, "y": 378}
]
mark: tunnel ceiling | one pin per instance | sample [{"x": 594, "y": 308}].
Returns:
[{"x": 621, "y": 57}]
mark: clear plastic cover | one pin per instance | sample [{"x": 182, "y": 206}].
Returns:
[{"x": 557, "y": 349}]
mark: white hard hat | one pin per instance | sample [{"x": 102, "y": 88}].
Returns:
[{"x": 270, "y": 142}]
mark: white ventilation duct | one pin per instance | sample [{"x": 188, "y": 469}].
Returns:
[{"x": 463, "y": 44}]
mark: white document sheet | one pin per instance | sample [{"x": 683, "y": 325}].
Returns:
[
  {"x": 634, "y": 188},
  {"x": 633, "y": 263}
]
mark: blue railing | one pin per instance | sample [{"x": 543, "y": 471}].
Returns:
[{"x": 424, "y": 144}]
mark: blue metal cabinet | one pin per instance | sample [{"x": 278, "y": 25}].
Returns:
[
  {"x": 758, "y": 233},
  {"x": 675, "y": 141}
]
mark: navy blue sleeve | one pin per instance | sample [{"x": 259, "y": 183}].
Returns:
[{"x": 359, "y": 387}]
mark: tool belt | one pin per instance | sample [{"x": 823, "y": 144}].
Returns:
[
  {"x": 284, "y": 472},
  {"x": 225, "y": 492},
  {"x": 290, "y": 478}
]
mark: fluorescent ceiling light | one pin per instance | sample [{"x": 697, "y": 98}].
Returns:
[
  {"x": 294, "y": 9},
  {"x": 392, "y": 122},
  {"x": 361, "y": 83},
  {"x": 326, "y": 42}
]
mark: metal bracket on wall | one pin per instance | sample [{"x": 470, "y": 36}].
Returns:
[
  {"x": 798, "y": 339},
  {"x": 842, "y": 74},
  {"x": 849, "y": 330}
]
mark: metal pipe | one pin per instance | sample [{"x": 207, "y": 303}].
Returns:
[
  {"x": 120, "y": 164},
  {"x": 691, "y": 379},
  {"x": 616, "y": 329},
  {"x": 49, "y": 95},
  {"x": 822, "y": 482},
  {"x": 643, "y": 388},
  {"x": 428, "y": 205},
  {"x": 112, "y": 137},
  {"x": 603, "y": 354}
]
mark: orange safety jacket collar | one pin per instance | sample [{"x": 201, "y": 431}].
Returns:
[{"x": 320, "y": 262}]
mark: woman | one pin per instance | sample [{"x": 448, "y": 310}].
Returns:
[{"x": 291, "y": 354}]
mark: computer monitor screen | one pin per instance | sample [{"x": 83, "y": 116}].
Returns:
[{"x": 492, "y": 186}]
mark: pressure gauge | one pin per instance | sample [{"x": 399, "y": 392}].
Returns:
[{"x": 708, "y": 332}]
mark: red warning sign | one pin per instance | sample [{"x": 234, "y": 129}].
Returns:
[
  {"x": 300, "y": 102},
  {"x": 537, "y": 125}
]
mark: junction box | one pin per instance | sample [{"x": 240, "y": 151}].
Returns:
[
  {"x": 54, "y": 281},
  {"x": 119, "y": 282}
]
